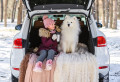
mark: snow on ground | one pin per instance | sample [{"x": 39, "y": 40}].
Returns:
[
  {"x": 6, "y": 39},
  {"x": 113, "y": 41}
]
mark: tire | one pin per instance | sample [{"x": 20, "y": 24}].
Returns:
[
  {"x": 104, "y": 79},
  {"x": 14, "y": 79}
]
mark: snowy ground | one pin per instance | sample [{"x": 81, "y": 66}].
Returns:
[
  {"x": 6, "y": 39},
  {"x": 113, "y": 40}
]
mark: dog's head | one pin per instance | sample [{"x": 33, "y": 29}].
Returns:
[{"x": 70, "y": 22}]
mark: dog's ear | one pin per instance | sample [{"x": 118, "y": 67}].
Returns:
[
  {"x": 74, "y": 17},
  {"x": 67, "y": 16}
]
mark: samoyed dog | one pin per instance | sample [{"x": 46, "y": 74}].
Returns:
[{"x": 70, "y": 30}]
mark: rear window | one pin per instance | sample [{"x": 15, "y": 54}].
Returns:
[{"x": 80, "y": 17}]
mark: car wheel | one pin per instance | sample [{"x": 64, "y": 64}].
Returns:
[
  {"x": 14, "y": 79},
  {"x": 104, "y": 79}
]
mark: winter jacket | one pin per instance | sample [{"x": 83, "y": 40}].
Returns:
[{"x": 46, "y": 40}]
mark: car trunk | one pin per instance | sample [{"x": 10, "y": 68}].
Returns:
[
  {"x": 34, "y": 40},
  {"x": 32, "y": 5}
]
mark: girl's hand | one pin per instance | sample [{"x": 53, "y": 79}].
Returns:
[{"x": 54, "y": 37}]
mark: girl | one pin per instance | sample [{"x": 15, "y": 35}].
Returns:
[{"x": 48, "y": 47}]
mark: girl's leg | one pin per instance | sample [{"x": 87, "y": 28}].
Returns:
[
  {"x": 42, "y": 55},
  {"x": 50, "y": 57},
  {"x": 38, "y": 65},
  {"x": 51, "y": 54}
]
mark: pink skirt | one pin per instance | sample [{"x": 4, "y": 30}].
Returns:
[{"x": 44, "y": 76}]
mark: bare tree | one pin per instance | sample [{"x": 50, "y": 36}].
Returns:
[
  {"x": 23, "y": 12},
  {"x": 1, "y": 10},
  {"x": 119, "y": 10},
  {"x": 111, "y": 13},
  {"x": 19, "y": 18},
  {"x": 93, "y": 10},
  {"x": 5, "y": 15},
  {"x": 107, "y": 13},
  {"x": 103, "y": 17},
  {"x": 96, "y": 9},
  {"x": 115, "y": 15},
  {"x": 14, "y": 10}
]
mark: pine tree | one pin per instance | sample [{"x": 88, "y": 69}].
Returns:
[
  {"x": 5, "y": 15},
  {"x": 96, "y": 9},
  {"x": 19, "y": 18},
  {"x": 1, "y": 10},
  {"x": 93, "y": 10},
  {"x": 115, "y": 15},
  {"x": 111, "y": 13},
  {"x": 119, "y": 9},
  {"x": 24, "y": 13},
  {"x": 107, "y": 13},
  {"x": 14, "y": 10},
  {"x": 103, "y": 17}
]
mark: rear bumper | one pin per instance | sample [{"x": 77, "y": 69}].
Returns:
[
  {"x": 15, "y": 73},
  {"x": 15, "y": 61},
  {"x": 102, "y": 78},
  {"x": 104, "y": 71}
]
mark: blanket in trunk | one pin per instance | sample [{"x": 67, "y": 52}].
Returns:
[
  {"x": 44, "y": 76},
  {"x": 23, "y": 67},
  {"x": 76, "y": 67}
]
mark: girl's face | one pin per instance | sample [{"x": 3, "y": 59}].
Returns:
[{"x": 51, "y": 27}]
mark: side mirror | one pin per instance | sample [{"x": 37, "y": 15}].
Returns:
[
  {"x": 99, "y": 25},
  {"x": 18, "y": 27}
]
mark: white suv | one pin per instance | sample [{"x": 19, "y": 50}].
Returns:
[{"x": 28, "y": 37}]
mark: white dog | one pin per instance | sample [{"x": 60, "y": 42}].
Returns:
[{"x": 69, "y": 34}]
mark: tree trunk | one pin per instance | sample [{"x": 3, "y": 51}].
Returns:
[
  {"x": 1, "y": 10},
  {"x": 115, "y": 15},
  {"x": 97, "y": 11},
  {"x": 23, "y": 13},
  {"x": 14, "y": 10},
  {"x": 93, "y": 10},
  {"x": 111, "y": 13},
  {"x": 107, "y": 13},
  {"x": 19, "y": 18},
  {"x": 5, "y": 15},
  {"x": 119, "y": 10},
  {"x": 103, "y": 17}
]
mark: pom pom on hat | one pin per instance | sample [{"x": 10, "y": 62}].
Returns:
[
  {"x": 44, "y": 17},
  {"x": 47, "y": 21}
]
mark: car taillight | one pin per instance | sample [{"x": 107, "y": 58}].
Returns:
[
  {"x": 18, "y": 43},
  {"x": 103, "y": 67},
  {"x": 16, "y": 69},
  {"x": 101, "y": 42}
]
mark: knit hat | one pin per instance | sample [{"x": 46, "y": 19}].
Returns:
[{"x": 47, "y": 21}]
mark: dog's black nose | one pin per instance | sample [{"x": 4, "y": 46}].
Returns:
[{"x": 68, "y": 25}]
